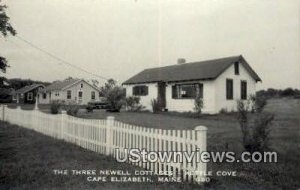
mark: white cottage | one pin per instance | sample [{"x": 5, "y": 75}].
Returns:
[
  {"x": 73, "y": 91},
  {"x": 220, "y": 83}
]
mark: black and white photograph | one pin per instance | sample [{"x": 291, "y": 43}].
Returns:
[{"x": 149, "y": 94}]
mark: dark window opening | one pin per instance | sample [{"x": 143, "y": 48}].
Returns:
[
  {"x": 93, "y": 95},
  {"x": 187, "y": 91},
  {"x": 140, "y": 90},
  {"x": 243, "y": 90},
  {"x": 229, "y": 89},
  {"x": 80, "y": 94},
  {"x": 236, "y": 68},
  {"x": 44, "y": 95},
  {"x": 69, "y": 96}
]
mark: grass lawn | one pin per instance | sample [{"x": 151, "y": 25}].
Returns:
[
  {"x": 224, "y": 134},
  {"x": 27, "y": 161}
]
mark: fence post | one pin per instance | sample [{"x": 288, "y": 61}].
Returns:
[
  {"x": 109, "y": 135},
  {"x": 201, "y": 132},
  {"x": 36, "y": 104},
  {"x": 62, "y": 124},
  {"x": 3, "y": 112}
]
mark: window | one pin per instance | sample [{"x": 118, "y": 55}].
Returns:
[
  {"x": 243, "y": 90},
  {"x": 93, "y": 95},
  {"x": 69, "y": 94},
  {"x": 236, "y": 68},
  {"x": 44, "y": 95},
  {"x": 229, "y": 89},
  {"x": 187, "y": 91},
  {"x": 56, "y": 93},
  {"x": 29, "y": 96},
  {"x": 81, "y": 85},
  {"x": 80, "y": 94},
  {"x": 140, "y": 90}
]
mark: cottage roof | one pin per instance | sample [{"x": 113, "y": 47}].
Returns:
[
  {"x": 60, "y": 85},
  {"x": 203, "y": 70},
  {"x": 64, "y": 84},
  {"x": 28, "y": 88}
]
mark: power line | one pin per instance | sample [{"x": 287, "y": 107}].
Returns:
[{"x": 58, "y": 59}]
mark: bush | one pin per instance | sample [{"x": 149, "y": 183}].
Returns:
[
  {"x": 73, "y": 109},
  {"x": 258, "y": 103},
  {"x": 256, "y": 134},
  {"x": 261, "y": 131},
  {"x": 89, "y": 108},
  {"x": 198, "y": 104},
  {"x": 288, "y": 92},
  {"x": 155, "y": 106},
  {"x": 133, "y": 103},
  {"x": 243, "y": 109},
  {"x": 55, "y": 107},
  {"x": 223, "y": 111},
  {"x": 115, "y": 98}
]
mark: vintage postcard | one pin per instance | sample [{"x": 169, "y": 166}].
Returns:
[{"x": 149, "y": 94}]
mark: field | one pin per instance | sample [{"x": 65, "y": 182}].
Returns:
[{"x": 223, "y": 134}]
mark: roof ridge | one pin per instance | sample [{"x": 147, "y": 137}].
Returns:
[{"x": 198, "y": 62}]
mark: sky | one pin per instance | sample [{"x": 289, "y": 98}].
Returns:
[{"x": 117, "y": 39}]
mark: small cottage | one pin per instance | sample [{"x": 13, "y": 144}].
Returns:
[
  {"x": 72, "y": 91},
  {"x": 27, "y": 94},
  {"x": 219, "y": 82}
]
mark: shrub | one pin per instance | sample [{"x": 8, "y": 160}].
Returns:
[
  {"x": 256, "y": 134},
  {"x": 55, "y": 107},
  {"x": 258, "y": 103},
  {"x": 115, "y": 98},
  {"x": 133, "y": 103},
  {"x": 261, "y": 131},
  {"x": 73, "y": 109},
  {"x": 223, "y": 111},
  {"x": 198, "y": 103},
  {"x": 242, "y": 117},
  {"x": 89, "y": 108},
  {"x": 155, "y": 106}
]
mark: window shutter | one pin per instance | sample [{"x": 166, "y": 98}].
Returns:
[
  {"x": 174, "y": 92},
  {"x": 134, "y": 90},
  {"x": 229, "y": 89},
  {"x": 243, "y": 90},
  {"x": 146, "y": 90},
  {"x": 200, "y": 86}
]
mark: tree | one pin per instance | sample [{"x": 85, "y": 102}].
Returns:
[
  {"x": 5, "y": 29},
  {"x": 114, "y": 94},
  {"x": 110, "y": 84}
]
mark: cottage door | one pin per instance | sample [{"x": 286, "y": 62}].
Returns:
[
  {"x": 80, "y": 93},
  {"x": 161, "y": 97}
]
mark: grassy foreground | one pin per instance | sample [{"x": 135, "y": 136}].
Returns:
[
  {"x": 27, "y": 161},
  {"x": 224, "y": 134},
  {"x": 27, "y": 158}
]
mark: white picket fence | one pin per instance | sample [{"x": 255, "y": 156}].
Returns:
[{"x": 105, "y": 136}]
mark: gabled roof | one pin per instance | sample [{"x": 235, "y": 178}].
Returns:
[
  {"x": 59, "y": 85},
  {"x": 64, "y": 84},
  {"x": 28, "y": 88},
  {"x": 203, "y": 70}
]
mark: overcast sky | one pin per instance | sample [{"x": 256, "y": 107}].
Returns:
[{"x": 117, "y": 39}]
